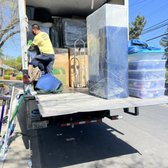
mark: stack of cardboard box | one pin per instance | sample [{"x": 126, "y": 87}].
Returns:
[{"x": 64, "y": 67}]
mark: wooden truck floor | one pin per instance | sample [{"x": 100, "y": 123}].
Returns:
[{"x": 78, "y": 100}]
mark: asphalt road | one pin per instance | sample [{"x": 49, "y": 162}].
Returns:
[
  {"x": 10, "y": 83},
  {"x": 132, "y": 142}
]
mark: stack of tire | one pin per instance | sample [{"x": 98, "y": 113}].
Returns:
[{"x": 147, "y": 75}]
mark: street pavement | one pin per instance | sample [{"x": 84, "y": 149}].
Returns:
[
  {"x": 17, "y": 83},
  {"x": 17, "y": 156},
  {"x": 132, "y": 142}
]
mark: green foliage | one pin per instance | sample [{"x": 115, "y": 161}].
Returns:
[
  {"x": 1, "y": 53},
  {"x": 8, "y": 72},
  {"x": 166, "y": 75},
  {"x": 15, "y": 63},
  {"x": 164, "y": 42},
  {"x": 19, "y": 77},
  {"x": 136, "y": 27},
  {"x": 7, "y": 77}
]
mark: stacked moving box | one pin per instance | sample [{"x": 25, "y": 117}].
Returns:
[
  {"x": 64, "y": 67},
  {"x": 61, "y": 65},
  {"x": 146, "y": 75}
]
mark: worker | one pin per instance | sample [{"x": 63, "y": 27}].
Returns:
[{"x": 45, "y": 60}]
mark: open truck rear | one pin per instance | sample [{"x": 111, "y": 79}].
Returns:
[{"x": 74, "y": 105}]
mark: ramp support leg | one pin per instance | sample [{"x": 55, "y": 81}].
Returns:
[{"x": 135, "y": 113}]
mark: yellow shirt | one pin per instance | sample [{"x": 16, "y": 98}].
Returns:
[{"x": 42, "y": 40}]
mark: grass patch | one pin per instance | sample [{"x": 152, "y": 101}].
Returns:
[
  {"x": 19, "y": 77},
  {"x": 7, "y": 77}
]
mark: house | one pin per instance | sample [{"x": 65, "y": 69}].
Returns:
[{"x": 4, "y": 67}]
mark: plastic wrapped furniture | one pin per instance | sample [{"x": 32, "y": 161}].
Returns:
[
  {"x": 72, "y": 30},
  {"x": 66, "y": 31},
  {"x": 56, "y": 34},
  {"x": 107, "y": 52}
]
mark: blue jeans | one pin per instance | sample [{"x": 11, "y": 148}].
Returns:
[{"x": 44, "y": 62}]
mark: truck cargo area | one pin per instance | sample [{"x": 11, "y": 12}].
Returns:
[
  {"x": 73, "y": 7},
  {"x": 97, "y": 62}
]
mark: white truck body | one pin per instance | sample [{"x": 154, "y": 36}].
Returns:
[{"x": 72, "y": 101}]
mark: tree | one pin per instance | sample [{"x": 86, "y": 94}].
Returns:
[
  {"x": 1, "y": 53},
  {"x": 1, "y": 57},
  {"x": 8, "y": 25},
  {"x": 136, "y": 27},
  {"x": 164, "y": 41}
]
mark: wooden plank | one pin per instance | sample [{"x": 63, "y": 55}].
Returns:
[{"x": 69, "y": 103}]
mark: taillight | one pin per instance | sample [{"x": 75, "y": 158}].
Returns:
[{"x": 26, "y": 79}]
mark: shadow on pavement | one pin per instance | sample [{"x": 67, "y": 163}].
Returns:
[
  {"x": 61, "y": 147},
  {"x": 21, "y": 116}
]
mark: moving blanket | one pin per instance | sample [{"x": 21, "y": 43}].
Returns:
[
  {"x": 48, "y": 83},
  {"x": 136, "y": 46}
]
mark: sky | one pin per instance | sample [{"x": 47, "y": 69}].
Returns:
[
  {"x": 12, "y": 46},
  {"x": 154, "y": 11}
]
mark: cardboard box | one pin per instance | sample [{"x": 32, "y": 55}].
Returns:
[
  {"x": 64, "y": 67},
  {"x": 61, "y": 65}
]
